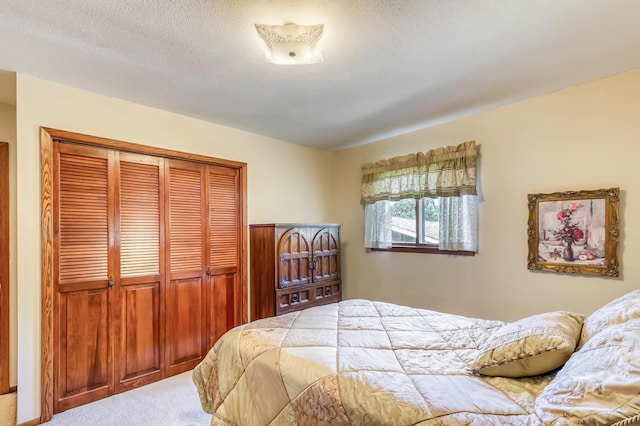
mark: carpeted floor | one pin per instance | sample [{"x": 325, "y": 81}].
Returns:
[
  {"x": 8, "y": 409},
  {"x": 170, "y": 402}
]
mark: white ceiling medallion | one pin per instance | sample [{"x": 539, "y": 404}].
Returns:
[{"x": 291, "y": 44}]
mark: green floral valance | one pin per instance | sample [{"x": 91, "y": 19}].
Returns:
[{"x": 444, "y": 172}]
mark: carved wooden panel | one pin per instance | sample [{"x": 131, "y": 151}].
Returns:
[
  {"x": 301, "y": 297},
  {"x": 326, "y": 254},
  {"x": 294, "y": 252}
]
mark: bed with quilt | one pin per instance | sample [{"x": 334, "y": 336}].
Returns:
[{"x": 360, "y": 362}]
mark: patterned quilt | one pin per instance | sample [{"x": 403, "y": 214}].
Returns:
[{"x": 360, "y": 362}]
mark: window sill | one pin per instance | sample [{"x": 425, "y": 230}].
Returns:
[{"x": 425, "y": 249}]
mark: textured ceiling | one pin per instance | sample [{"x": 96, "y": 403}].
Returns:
[{"x": 390, "y": 66}]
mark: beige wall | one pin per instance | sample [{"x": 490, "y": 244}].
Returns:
[
  {"x": 585, "y": 137},
  {"x": 8, "y": 134},
  {"x": 286, "y": 183}
]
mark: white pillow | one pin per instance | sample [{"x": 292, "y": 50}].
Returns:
[
  {"x": 599, "y": 384},
  {"x": 615, "y": 312},
  {"x": 531, "y": 346}
]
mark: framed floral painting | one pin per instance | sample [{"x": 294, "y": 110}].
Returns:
[{"x": 574, "y": 232}]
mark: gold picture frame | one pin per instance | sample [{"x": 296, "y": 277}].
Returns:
[{"x": 574, "y": 232}]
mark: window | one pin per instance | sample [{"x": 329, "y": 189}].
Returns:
[
  {"x": 415, "y": 222},
  {"x": 422, "y": 202}
]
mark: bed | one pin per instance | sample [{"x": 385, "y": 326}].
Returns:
[{"x": 360, "y": 362}]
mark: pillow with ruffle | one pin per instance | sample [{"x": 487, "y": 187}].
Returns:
[
  {"x": 531, "y": 346},
  {"x": 615, "y": 312},
  {"x": 599, "y": 384}
]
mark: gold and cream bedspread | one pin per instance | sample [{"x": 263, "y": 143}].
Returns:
[{"x": 360, "y": 362}]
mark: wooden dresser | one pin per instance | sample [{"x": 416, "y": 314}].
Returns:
[{"x": 293, "y": 267}]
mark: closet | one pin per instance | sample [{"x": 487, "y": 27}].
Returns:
[{"x": 148, "y": 261}]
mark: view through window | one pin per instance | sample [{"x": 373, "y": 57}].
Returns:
[{"x": 415, "y": 222}]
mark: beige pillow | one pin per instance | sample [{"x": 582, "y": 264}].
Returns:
[
  {"x": 531, "y": 346},
  {"x": 616, "y": 312},
  {"x": 599, "y": 384}
]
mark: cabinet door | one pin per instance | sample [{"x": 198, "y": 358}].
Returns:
[
  {"x": 83, "y": 259},
  {"x": 185, "y": 296},
  {"x": 141, "y": 270},
  {"x": 294, "y": 253},
  {"x": 224, "y": 299},
  {"x": 326, "y": 254}
]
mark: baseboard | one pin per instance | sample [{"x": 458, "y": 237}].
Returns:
[
  {"x": 33, "y": 422},
  {"x": 13, "y": 389}
]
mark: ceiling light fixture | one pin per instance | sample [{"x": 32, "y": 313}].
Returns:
[{"x": 291, "y": 44}]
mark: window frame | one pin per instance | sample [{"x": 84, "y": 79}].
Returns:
[{"x": 423, "y": 249}]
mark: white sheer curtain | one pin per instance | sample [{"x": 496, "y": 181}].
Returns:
[
  {"x": 448, "y": 173},
  {"x": 377, "y": 225},
  {"x": 459, "y": 223}
]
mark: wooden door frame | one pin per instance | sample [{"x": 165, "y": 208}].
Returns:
[
  {"x": 47, "y": 137},
  {"x": 4, "y": 268}
]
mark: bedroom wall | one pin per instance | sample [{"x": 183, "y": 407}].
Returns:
[
  {"x": 286, "y": 183},
  {"x": 585, "y": 137},
  {"x": 8, "y": 134}
]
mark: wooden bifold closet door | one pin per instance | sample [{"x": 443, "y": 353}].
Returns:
[
  {"x": 146, "y": 268},
  {"x": 203, "y": 259}
]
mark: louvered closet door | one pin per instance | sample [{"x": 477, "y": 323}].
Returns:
[
  {"x": 187, "y": 278},
  {"x": 141, "y": 280},
  {"x": 224, "y": 251},
  {"x": 82, "y": 264}
]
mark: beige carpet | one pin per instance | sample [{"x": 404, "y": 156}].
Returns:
[
  {"x": 8, "y": 409},
  {"x": 169, "y": 402}
]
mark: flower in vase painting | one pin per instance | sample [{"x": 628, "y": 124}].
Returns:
[{"x": 568, "y": 231}]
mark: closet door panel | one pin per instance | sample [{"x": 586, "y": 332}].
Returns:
[
  {"x": 139, "y": 338},
  {"x": 224, "y": 251},
  {"x": 222, "y": 309},
  {"x": 185, "y": 326},
  {"x": 187, "y": 240},
  {"x": 138, "y": 326},
  {"x": 84, "y": 349},
  {"x": 82, "y": 212}
]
